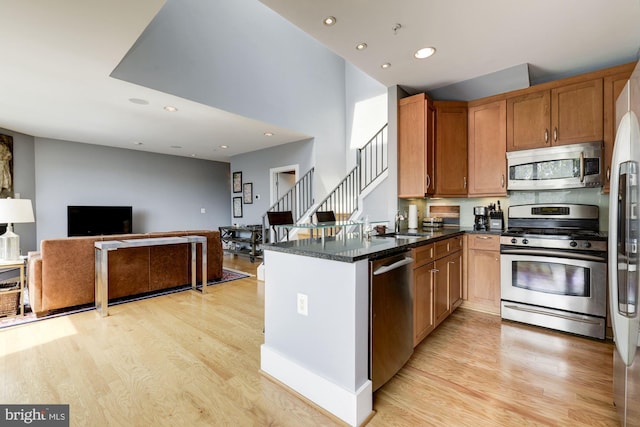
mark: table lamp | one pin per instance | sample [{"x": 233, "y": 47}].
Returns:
[{"x": 13, "y": 211}]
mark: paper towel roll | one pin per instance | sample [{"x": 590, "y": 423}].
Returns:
[{"x": 413, "y": 216}]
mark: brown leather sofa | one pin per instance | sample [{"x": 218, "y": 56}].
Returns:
[{"x": 62, "y": 274}]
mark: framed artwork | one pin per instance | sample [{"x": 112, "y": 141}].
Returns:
[
  {"x": 237, "y": 182},
  {"x": 6, "y": 166},
  {"x": 237, "y": 207},
  {"x": 247, "y": 192}
]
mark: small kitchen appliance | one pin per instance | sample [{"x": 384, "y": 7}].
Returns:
[{"x": 481, "y": 219}]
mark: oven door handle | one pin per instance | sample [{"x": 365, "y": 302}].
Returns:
[{"x": 548, "y": 252}]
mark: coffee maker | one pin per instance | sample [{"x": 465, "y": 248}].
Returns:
[{"x": 481, "y": 220}]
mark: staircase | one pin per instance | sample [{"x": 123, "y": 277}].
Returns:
[
  {"x": 371, "y": 163},
  {"x": 345, "y": 199}
]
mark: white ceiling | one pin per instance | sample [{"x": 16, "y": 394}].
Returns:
[
  {"x": 472, "y": 37},
  {"x": 57, "y": 57}
]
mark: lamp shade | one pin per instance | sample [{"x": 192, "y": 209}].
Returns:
[{"x": 15, "y": 210}]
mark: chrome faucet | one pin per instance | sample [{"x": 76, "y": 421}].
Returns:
[{"x": 399, "y": 218}]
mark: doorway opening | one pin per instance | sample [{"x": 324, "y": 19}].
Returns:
[{"x": 282, "y": 179}]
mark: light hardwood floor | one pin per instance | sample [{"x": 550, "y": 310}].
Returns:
[{"x": 185, "y": 359}]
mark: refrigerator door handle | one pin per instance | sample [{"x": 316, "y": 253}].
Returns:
[{"x": 627, "y": 241}]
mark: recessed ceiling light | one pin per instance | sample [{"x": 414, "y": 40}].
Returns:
[
  {"x": 194, "y": 155},
  {"x": 361, "y": 46},
  {"x": 138, "y": 101},
  {"x": 170, "y": 108},
  {"x": 386, "y": 65},
  {"x": 224, "y": 147},
  {"x": 425, "y": 52},
  {"x": 329, "y": 21},
  {"x": 268, "y": 134},
  {"x": 137, "y": 143},
  {"x": 175, "y": 146}
]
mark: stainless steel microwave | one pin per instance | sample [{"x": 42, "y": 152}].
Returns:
[{"x": 555, "y": 168}]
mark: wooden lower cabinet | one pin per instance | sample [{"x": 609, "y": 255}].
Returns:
[
  {"x": 437, "y": 284},
  {"x": 483, "y": 273},
  {"x": 455, "y": 274},
  {"x": 423, "y": 319}
]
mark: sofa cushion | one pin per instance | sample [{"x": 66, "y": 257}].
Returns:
[
  {"x": 169, "y": 265},
  {"x": 68, "y": 267}
]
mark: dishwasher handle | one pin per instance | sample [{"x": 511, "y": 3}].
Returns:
[{"x": 386, "y": 268}]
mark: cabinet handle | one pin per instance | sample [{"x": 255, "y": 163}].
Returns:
[
  {"x": 555, "y": 134},
  {"x": 546, "y": 135},
  {"x": 435, "y": 270},
  {"x": 465, "y": 182},
  {"x": 483, "y": 237},
  {"x": 608, "y": 173},
  {"x": 452, "y": 262},
  {"x": 428, "y": 182},
  {"x": 502, "y": 181}
]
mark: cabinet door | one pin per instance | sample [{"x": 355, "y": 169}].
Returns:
[
  {"x": 415, "y": 146},
  {"x": 528, "y": 121},
  {"x": 613, "y": 86},
  {"x": 451, "y": 149},
  {"x": 487, "y": 149},
  {"x": 440, "y": 290},
  {"x": 576, "y": 113},
  {"x": 454, "y": 273},
  {"x": 483, "y": 280},
  {"x": 423, "y": 320}
]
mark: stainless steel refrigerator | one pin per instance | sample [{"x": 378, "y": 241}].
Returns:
[{"x": 624, "y": 241}]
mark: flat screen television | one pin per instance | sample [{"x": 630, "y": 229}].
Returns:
[{"x": 99, "y": 220}]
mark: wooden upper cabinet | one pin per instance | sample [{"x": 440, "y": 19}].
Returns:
[
  {"x": 613, "y": 86},
  {"x": 528, "y": 121},
  {"x": 487, "y": 149},
  {"x": 451, "y": 148},
  {"x": 415, "y": 146},
  {"x": 576, "y": 113},
  {"x": 566, "y": 114}
]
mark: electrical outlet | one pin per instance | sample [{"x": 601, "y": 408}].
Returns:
[
  {"x": 203, "y": 210},
  {"x": 303, "y": 304}
]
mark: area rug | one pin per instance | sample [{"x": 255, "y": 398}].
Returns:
[{"x": 228, "y": 275}]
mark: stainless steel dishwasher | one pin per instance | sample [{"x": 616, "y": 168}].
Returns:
[{"x": 390, "y": 317}]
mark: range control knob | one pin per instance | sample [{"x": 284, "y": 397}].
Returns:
[
  {"x": 514, "y": 241},
  {"x": 573, "y": 244},
  {"x": 525, "y": 241},
  {"x": 586, "y": 245}
]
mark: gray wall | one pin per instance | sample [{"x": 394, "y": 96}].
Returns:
[
  {"x": 166, "y": 192},
  {"x": 270, "y": 71},
  {"x": 24, "y": 184},
  {"x": 255, "y": 168}
]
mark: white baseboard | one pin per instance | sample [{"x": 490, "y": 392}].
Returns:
[
  {"x": 260, "y": 272},
  {"x": 352, "y": 407}
]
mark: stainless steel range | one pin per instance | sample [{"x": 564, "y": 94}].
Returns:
[{"x": 553, "y": 263}]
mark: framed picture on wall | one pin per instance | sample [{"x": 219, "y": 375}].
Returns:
[
  {"x": 237, "y": 182},
  {"x": 247, "y": 192},
  {"x": 237, "y": 207}
]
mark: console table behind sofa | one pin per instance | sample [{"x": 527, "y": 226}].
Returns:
[{"x": 62, "y": 274}]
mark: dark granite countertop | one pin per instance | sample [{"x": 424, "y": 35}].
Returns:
[{"x": 356, "y": 249}]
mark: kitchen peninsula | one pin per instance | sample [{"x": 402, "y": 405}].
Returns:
[{"x": 317, "y": 317}]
